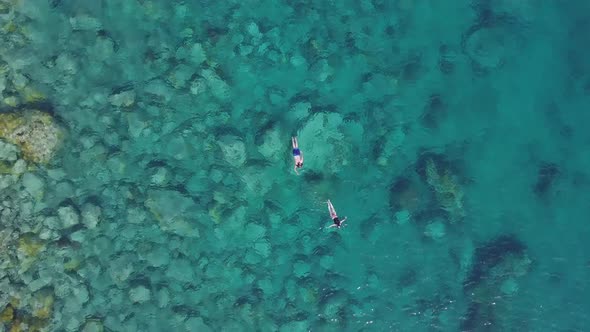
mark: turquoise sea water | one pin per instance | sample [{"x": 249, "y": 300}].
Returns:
[{"x": 451, "y": 134}]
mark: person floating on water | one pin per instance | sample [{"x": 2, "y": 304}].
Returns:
[
  {"x": 297, "y": 155},
  {"x": 334, "y": 216}
]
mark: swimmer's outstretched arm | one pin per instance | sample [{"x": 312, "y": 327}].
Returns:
[
  {"x": 295, "y": 168},
  {"x": 342, "y": 221}
]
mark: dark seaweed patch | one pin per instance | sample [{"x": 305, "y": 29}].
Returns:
[
  {"x": 349, "y": 41},
  {"x": 390, "y": 31},
  {"x": 408, "y": 277},
  {"x": 412, "y": 68},
  {"x": 122, "y": 88},
  {"x": 367, "y": 226},
  {"x": 444, "y": 64},
  {"x": 330, "y": 108},
  {"x": 471, "y": 320},
  {"x": 490, "y": 255},
  {"x": 186, "y": 310},
  {"x": 486, "y": 18},
  {"x": 400, "y": 185},
  {"x": 313, "y": 176},
  {"x": 434, "y": 110},
  {"x": 215, "y": 32},
  {"x": 365, "y": 77},
  {"x": 430, "y": 212},
  {"x": 307, "y": 96},
  {"x": 156, "y": 163},
  {"x": 546, "y": 176}
]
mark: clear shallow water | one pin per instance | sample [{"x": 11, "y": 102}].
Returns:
[{"x": 452, "y": 136}]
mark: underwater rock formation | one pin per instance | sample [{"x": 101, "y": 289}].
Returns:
[
  {"x": 494, "y": 39},
  {"x": 492, "y": 255},
  {"x": 34, "y": 132},
  {"x": 495, "y": 267},
  {"x": 324, "y": 135},
  {"x": 442, "y": 179}
]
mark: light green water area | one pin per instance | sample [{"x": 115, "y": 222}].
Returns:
[{"x": 147, "y": 181}]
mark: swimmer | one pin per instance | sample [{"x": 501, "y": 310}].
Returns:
[
  {"x": 334, "y": 216},
  {"x": 297, "y": 155}
]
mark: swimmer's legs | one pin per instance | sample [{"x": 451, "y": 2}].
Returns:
[
  {"x": 294, "y": 141},
  {"x": 331, "y": 209}
]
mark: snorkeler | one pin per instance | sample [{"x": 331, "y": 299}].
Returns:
[
  {"x": 334, "y": 216},
  {"x": 297, "y": 155}
]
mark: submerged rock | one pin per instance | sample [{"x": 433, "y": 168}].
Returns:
[
  {"x": 491, "y": 46},
  {"x": 181, "y": 270},
  {"x": 120, "y": 268},
  {"x": 263, "y": 248},
  {"x": 158, "y": 257},
  {"x": 218, "y": 87},
  {"x": 78, "y": 236},
  {"x": 301, "y": 269},
  {"x": 80, "y": 293},
  {"x": 197, "y": 54},
  {"x": 492, "y": 255},
  {"x": 163, "y": 297},
  {"x": 300, "y": 110},
  {"x": 254, "y": 232},
  {"x": 139, "y": 294},
  {"x": 85, "y": 23},
  {"x": 123, "y": 99},
  {"x": 68, "y": 216},
  {"x": 495, "y": 267},
  {"x": 324, "y": 135},
  {"x": 402, "y": 217},
  {"x": 449, "y": 193},
  {"x": 272, "y": 146},
  {"x": 90, "y": 215},
  {"x": 234, "y": 150},
  {"x": 93, "y": 325},
  {"x": 34, "y": 132},
  {"x": 197, "y": 324},
  {"x": 173, "y": 210},
  {"x": 42, "y": 305},
  {"x": 34, "y": 185},
  {"x": 509, "y": 287},
  {"x": 19, "y": 167},
  {"x": 435, "y": 230},
  {"x": 7, "y": 314},
  {"x": 8, "y": 152},
  {"x": 29, "y": 249},
  {"x": 73, "y": 324}
]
